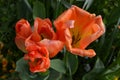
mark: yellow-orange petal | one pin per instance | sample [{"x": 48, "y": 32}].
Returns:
[
  {"x": 97, "y": 29},
  {"x": 53, "y": 46}
]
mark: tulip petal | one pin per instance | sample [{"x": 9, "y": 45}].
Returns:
[
  {"x": 53, "y": 46},
  {"x": 89, "y": 53},
  {"x": 23, "y": 30},
  {"x": 97, "y": 29},
  {"x": 44, "y": 28},
  {"x": 20, "y": 42}
]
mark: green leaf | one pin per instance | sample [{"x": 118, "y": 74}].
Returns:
[
  {"x": 54, "y": 75},
  {"x": 24, "y": 9},
  {"x": 110, "y": 77},
  {"x": 28, "y": 5},
  {"x": 71, "y": 62},
  {"x": 79, "y": 0},
  {"x": 23, "y": 69},
  {"x": 110, "y": 73},
  {"x": 39, "y": 10},
  {"x": 66, "y": 77},
  {"x": 109, "y": 44},
  {"x": 58, "y": 65},
  {"x": 87, "y": 4},
  {"x": 66, "y": 4},
  {"x": 114, "y": 69},
  {"x": 71, "y": 1},
  {"x": 114, "y": 15},
  {"x": 95, "y": 72},
  {"x": 57, "y": 8}
]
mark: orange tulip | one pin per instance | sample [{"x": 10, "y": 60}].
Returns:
[
  {"x": 44, "y": 35},
  {"x": 23, "y": 30},
  {"x": 77, "y": 29},
  {"x": 38, "y": 58}
]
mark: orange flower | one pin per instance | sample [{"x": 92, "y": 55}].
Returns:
[
  {"x": 38, "y": 58},
  {"x": 23, "y": 30},
  {"x": 77, "y": 29},
  {"x": 44, "y": 35},
  {"x": 119, "y": 26}
]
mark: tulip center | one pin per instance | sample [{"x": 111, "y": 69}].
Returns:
[
  {"x": 76, "y": 36},
  {"x": 37, "y": 61},
  {"x": 75, "y": 40}
]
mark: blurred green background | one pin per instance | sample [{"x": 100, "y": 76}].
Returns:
[{"x": 104, "y": 66}]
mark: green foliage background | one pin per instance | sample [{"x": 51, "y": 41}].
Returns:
[{"x": 106, "y": 64}]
